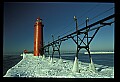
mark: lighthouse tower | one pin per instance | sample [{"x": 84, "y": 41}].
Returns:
[{"x": 38, "y": 37}]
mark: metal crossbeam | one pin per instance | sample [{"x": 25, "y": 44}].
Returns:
[
  {"x": 78, "y": 40},
  {"x": 56, "y": 46},
  {"x": 83, "y": 29}
]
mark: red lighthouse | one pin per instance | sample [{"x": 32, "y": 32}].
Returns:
[{"x": 38, "y": 37}]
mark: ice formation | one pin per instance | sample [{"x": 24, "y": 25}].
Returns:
[{"x": 46, "y": 67}]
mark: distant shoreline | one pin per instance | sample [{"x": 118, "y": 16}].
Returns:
[
  {"x": 84, "y": 53},
  {"x": 99, "y": 52}
]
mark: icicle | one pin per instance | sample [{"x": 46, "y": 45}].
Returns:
[
  {"x": 51, "y": 60},
  {"x": 21, "y": 55},
  {"x": 43, "y": 57},
  {"x": 60, "y": 60},
  {"x": 92, "y": 67},
  {"x": 75, "y": 66},
  {"x": 24, "y": 55}
]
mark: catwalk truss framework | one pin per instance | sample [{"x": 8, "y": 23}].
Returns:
[{"x": 75, "y": 36}]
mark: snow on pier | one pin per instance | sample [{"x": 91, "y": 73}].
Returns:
[{"x": 45, "y": 67}]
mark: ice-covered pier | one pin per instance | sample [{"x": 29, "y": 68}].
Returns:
[{"x": 45, "y": 67}]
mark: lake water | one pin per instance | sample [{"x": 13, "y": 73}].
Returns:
[
  {"x": 102, "y": 59},
  {"x": 9, "y": 61}
]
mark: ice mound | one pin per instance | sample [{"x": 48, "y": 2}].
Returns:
[{"x": 46, "y": 67}]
